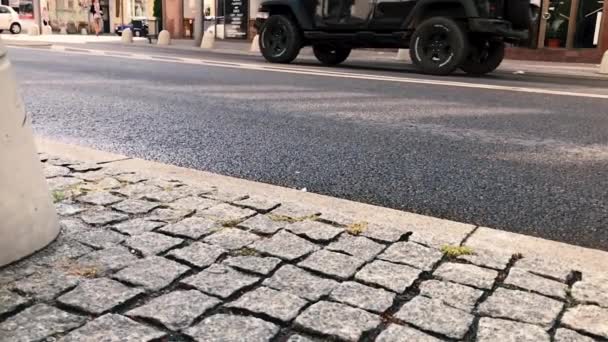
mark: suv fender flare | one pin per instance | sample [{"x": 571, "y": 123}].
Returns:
[
  {"x": 296, "y": 9},
  {"x": 470, "y": 11}
]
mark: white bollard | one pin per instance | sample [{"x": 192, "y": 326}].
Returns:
[
  {"x": 28, "y": 219},
  {"x": 127, "y": 36},
  {"x": 164, "y": 38},
  {"x": 208, "y": 39},
  {"x": 63, "y": 30},
  {"x": 47, "y": 30},
  {"x": 34, "y": 30},
  {"x": 402, "y": 55},
  {"x": 255, "y": 44},
  {"x": 84, "y": 31},
  {"x": 604, "y": 64}
]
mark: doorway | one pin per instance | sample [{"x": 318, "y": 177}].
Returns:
[{"x": 105, "y": 9}]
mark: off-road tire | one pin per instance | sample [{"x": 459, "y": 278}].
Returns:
[
  {"x": 439, "y": 46},
  {"x": 485, "y": 56},
  {"x": 330, "y": 55},
  {"x": 286, "y": 41},
  {"x": 15, "y": 28}
]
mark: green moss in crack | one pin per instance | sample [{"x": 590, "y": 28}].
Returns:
[
  {"x": 58, "y": 196},
  {"x": 456, "y": 251},
  {"x": 357, "y": 228}
]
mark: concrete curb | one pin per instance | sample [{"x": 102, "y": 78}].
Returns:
[
  {"x": 436, "y": 231},
  {"x": 26, "y": 43}
]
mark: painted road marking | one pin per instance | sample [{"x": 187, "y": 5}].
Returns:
[{"x": 327, "y": 73}]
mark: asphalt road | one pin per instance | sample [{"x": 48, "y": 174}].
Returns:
[{"x": 532, "y": 163}]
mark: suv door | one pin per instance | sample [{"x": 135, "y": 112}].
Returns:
[
  {"x": 5, "y": 18},
  {"x": 337, "y": 15},
  {"x": 390, "y": 14}
]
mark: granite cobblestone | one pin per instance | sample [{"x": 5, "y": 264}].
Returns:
[{"x": 140, "y": 256}]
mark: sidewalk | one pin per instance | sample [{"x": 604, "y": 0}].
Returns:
[
  {"x": 546, "y": 69},
  {"x": 154, "y": 252},
  {"x": 24, "y": 39}
]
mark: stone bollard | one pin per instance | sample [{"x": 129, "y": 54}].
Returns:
[
  {"x": 34, "y": 30},
  {"x": 164, "y": 38},
  {"x": 208, "y": 39},
  {"x": 84, "y": 31},
  {"x": 28, "y": 219},
  {"x": 127, "y": 36},
  {"x": 47, "y": 30},
  {"x": 402, "y": 55},
  {"x": 255, "y": 44},
  {"x": 63, "y": 30},
  {"x": 604, "y": 64}
]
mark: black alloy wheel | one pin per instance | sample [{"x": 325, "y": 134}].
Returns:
[
  {"x": 438, "y": 46},
  {"x": 280, "y": 39},
  {"x": 485, "y": 56},
  {"x": 329, "y": 54}
]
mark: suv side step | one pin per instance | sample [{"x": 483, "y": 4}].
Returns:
[
  {"x": 362, "y": 38},
  {"x": 354, "y": 35}
]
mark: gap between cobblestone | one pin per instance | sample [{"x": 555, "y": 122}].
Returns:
[
  {"x": 113, "y": 161},
  {"x": 17, "y": 310},
  {"x": 401, "y": 299},
  {"x": 219, "y": 308},
  {"x": 570, "y": 302},
  {"x": 514, "y": 287},
  {"x": 471, "y": 335},
  {"x": 468, "y": 236},
  {"x": 259, "y": 211}
]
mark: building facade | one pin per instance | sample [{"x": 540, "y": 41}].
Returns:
[
  {"x": 233, "y": 19},
  {"x": 567, "y": 30},
  {"x": 73, "y": 15}
]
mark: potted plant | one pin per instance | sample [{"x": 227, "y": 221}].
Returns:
[{"x": 555, "y": 34}]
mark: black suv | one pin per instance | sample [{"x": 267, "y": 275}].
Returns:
[{"x": 442, "y": 35}]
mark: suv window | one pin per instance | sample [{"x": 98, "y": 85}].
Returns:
[{"x": 4, "y": 10}]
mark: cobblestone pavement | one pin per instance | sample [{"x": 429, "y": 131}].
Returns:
[{"x": 143, "y": 259}]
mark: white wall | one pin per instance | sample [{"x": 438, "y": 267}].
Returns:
[{"x": 253, "y": 8}]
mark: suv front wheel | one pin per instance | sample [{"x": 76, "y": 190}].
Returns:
[
  {"x": 280, "y": 39},
  {"x": 329, "y": 54},
  {"x": 486, "y": 55},
  {"x": 15, "y": 28},
  {"x": 439, "y": 46}
]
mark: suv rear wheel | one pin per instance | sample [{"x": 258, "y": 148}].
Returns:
[
  {"x": 329, "y": 54},
  {"x": 280, "y": 39},
  {"x": 486, "y": 55},
  {"x": 439, "y": 46}
]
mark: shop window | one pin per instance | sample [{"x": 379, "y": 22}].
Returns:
[
  {"x": 139, "y": 8},
  {"x": 25, "y": 9},
  {"x": 588, "y": 23},
  {"x": 557, "y": 17},
  {"x": 571, "y": 23}
]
